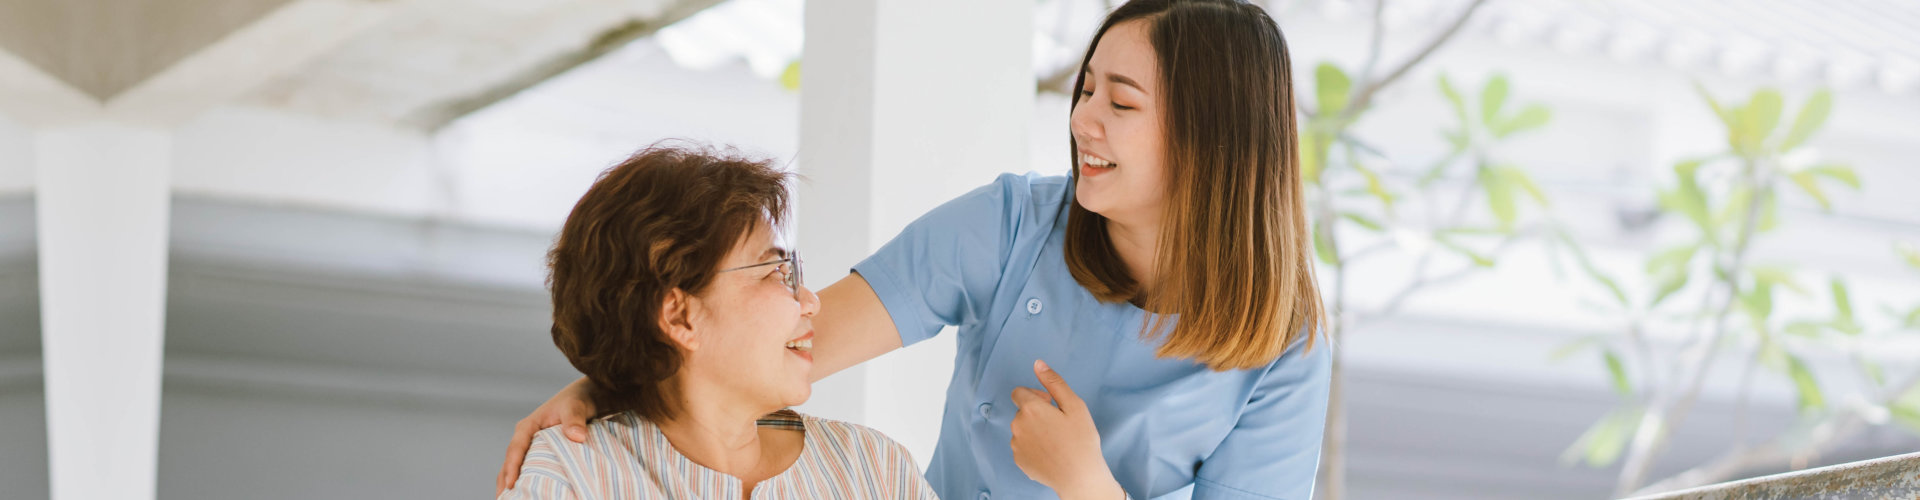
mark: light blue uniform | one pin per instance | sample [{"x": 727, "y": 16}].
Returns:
[{"x": 991, "y": 263}]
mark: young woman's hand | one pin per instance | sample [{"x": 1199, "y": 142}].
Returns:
[
  {"x": 570, "y": 407},
  {"x": 1059, "y": 446}
]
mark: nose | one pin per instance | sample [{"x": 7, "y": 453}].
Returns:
[
  {"x": 809, "y": 303},
  {"x": 1084, "y": 125}
]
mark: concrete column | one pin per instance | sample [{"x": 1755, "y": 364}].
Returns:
[
  {"x": 903, "y": 106},
  {"x": 101, "y": 209}
]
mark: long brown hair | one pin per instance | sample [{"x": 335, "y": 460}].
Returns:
[{"x": 1241, "y": 276}]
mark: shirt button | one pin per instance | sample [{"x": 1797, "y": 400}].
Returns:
[
  {"x": 985, "y": 496},
  {"x": 986, "y": 410},
  {"x": 1033, "y": 306}
]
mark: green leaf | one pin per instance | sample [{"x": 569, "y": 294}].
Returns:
[
  {"x": 1812, "y": 115},
  {"x": 1805, "y": 179},
  {"x": 1433, "y": 173},
  {"x": 1773, "y": 357},
  {"x": 1603, "y": 443},
  {"x": 1477, "y": 258},
  {"x": 1843, "y": 318},
  {"x": 1532, "y": 117},
  {"x": 1459, "y": 104},
  {"x": 1727, "y": 117},
  {"x": 1671, "y": 282},
  {"x": 1778, "y": 276},
  {"x": 1678, "y": 256},
  {"x": 1499, "y": 190},
  {"x": 1908, "y": 417},
  {"x": 1804, "y": 328},
  {"x": 1769, "y": 211},
  {"x": 1811, "y": 397},
  {"x": 1909, "y": 252},
  {"x": 1363, "y": 221},
  {"x": 1618, "y": 371},
  {"x": 1323, "y": 247},
  {"x": 1492, "y": 97},
  {"x": 1837, "y": 172},
  {"x": 1873, "y": 371},
  {"x": 1519, "y": 177},
  {"x": 1757, "y": 301},
  {"x": 1471, "y": 231},
  {"x": 1759, "y": 117},
  {"x": 1736, "y": 207},
  {"x": 1374, "y": 186},
  {"x": 790, "y": 77},
  {"x": 1586, "y": 264},
  {"x": 1332, "y": 87},
  {"x": 1570, "y": 348},
  {"x": 1312, "y": 154},
  {"x": 1689, "y": 200}
]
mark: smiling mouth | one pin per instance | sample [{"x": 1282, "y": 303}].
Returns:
[
  {"x": 1096, "y": 162},
  {"x": 802, "y": 344}
]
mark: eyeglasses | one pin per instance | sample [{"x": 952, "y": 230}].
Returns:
[{"x": 790, "y": 267}]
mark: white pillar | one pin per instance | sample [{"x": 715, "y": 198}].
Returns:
[
  {"x": 101, "y": 208},
  {"x": 903, "y": 106}
]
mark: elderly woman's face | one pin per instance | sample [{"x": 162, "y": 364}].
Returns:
[{"x": 748, "y": 320}]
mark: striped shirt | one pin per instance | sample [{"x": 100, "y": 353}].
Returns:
[{"x": 626, "y": 457}]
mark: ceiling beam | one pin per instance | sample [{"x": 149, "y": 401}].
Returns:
[
  {"x": 287, "y": 38},
  {"x": 438, "y": 114}
]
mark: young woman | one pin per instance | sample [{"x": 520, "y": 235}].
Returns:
[{"x": 1163, "y": 294}]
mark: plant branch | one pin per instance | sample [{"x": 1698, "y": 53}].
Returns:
[
  {"x": 1422, "y": 281},
  {"x": 1843, "y": 425},
  {"x": 1365, "y": 95},
  {"x": 1640, "y": 458},
  {"x": 1379, "y": 37}
]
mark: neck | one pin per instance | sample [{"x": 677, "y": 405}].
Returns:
[
  {"x": 1137, "y": 243},
  {"x": 719, "y": 433}
]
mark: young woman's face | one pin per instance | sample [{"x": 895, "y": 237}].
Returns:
[
  {"x": 745, "y": 323},
  {"x": 1118, "y": 129}
]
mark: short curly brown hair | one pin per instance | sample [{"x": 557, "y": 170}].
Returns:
[{"x": 663, "y": 219}]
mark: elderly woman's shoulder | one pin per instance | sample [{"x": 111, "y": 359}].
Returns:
[
  {"x": 626, "y": 429},
  {"x": 852, "y": 436}
]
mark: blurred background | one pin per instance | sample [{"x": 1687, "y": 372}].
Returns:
[{"x": 1579, "y": 248}]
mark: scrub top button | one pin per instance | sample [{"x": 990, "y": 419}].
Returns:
[
  {"x": 986, "y": 410},
  {"x": 1033, "y": 306}
]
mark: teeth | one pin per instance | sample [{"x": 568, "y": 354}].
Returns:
[
  {"x": 804, "y": 345},
  {"x": 1095, "y": 161}
]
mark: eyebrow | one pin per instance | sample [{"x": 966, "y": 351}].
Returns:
[
  {"x": 773, "y": 252},
  {"x": 1120, "y": 79}
]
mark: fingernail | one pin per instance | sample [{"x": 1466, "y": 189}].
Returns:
[
  {"x": 578, "y": 434},
  {"x": 1041, "y": 365}
]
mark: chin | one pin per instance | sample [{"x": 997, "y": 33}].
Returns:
[
  {"x": 1091, "y": 202},
  {"x": 799, "y": 396}
]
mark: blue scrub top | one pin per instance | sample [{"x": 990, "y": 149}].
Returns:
[{"x": 991, "y": 263}]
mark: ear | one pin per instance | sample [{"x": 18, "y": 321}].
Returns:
[{"x": 677, "y": 314}]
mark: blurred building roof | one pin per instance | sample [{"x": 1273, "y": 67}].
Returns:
[{"x": 1854, "y": 44}]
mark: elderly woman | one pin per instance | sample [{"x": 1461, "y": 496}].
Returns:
[{"x": 673, "y": 296}]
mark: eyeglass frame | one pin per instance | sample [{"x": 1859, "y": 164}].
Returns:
[{"x": 793, "y": 279}]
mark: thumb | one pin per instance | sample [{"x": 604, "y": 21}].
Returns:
[
  {"x": 577, "y": 433},
  {"x": 573, "y": 420},
  {"x": 1055, "y": 384}
]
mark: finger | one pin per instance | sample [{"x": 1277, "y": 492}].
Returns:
[
  {"x": 575, "y": 420},
  {"x": 1026, "y": 398},
  {"x": 516, "y": 453},
  {"x": 1056, "y": 385}
]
